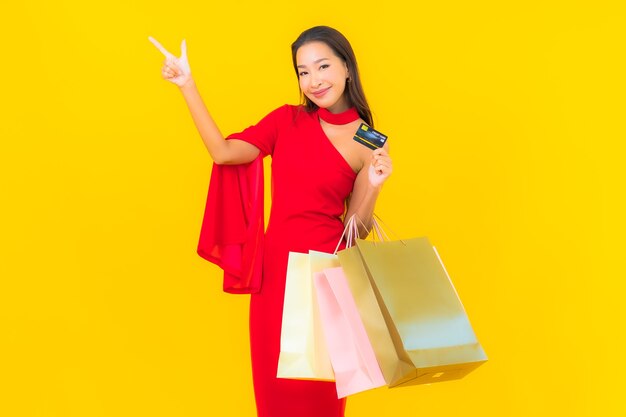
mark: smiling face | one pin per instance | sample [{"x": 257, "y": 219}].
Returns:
[{"x": 322, "y": 76}]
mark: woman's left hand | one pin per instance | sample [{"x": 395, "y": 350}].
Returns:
[{"x": 380, "y": 168}]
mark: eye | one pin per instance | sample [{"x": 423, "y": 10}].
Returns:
[
  {"x": 324, "y": 66},
  {"x": 302, "y": 73}
]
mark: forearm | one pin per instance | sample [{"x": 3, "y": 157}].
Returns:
[
  {"x": 222, "y": 151},
  {"x": 226, "y": 152},
  {"x": 209, "y": 132},
  {"x": 364, "y": 209}
]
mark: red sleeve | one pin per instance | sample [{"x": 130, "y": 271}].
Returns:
[{"x": 263, "y": 135}]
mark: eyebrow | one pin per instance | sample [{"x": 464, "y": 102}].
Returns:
[{"x": 315, "y": 62}]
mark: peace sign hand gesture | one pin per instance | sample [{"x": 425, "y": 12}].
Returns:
[{"x": 175, "y": 69}]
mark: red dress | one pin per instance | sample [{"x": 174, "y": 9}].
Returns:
[{"x": 310, "y": 183}]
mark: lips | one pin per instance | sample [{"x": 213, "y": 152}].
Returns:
[{"x": 320, "y": 93}]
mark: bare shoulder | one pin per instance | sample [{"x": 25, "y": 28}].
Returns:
[{"x": 364, "y": 153}]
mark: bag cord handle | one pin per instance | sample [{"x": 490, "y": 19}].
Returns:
[{"x": 353, "y": 231}]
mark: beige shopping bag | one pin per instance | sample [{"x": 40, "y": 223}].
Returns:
[{"x": 303, "y": 351}]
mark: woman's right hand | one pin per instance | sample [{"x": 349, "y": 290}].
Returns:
[{"x": 175, "y": 69}]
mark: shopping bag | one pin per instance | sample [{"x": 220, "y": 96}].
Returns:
[
  {"x": 433, "y": 338},
  {"x": 353, "y": 360},
  {"x": 303, "y": 352},
  {"x": 393, "y": 360}
]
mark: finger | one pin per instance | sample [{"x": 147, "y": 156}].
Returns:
[
  {"x": 381, "y": 164},
  {"x": 383, "y": 171},
  {"x": 385, "y": 161},
  {"x": 381, "y": 159},
  {"x": 379, "y": 168},
  {"x": 160, "y": 47},
  {"x": 183, "y": 49},
  {"x": 172, "y": 64}
]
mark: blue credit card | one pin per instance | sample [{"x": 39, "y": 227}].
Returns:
[{"x": 369, "y": 137}]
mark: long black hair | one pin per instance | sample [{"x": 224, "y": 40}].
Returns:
[{"x": 342, "y": 48}]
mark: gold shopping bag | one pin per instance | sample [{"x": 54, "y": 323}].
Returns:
[
  {"x": 431, "y": 337},
  {"x": 303, "y": 352},
  {"x": 394, "y": 362}
]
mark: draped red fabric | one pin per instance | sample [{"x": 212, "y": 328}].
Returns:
[{"x": 232, "y": 229}]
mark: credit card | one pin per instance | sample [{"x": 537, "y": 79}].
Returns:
[{"x": 369, "y": 137}]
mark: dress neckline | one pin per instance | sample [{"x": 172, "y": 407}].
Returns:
[
  {"x": 342, "y": 118},
  {"x": 333, "y": 148}
]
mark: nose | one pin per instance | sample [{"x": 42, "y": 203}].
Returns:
[{"x": 315, "y": 80}]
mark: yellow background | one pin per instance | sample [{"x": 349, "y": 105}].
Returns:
[{"x": 506, "y": 128}]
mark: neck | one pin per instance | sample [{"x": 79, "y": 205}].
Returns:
[{"x": 342, "y": 118}]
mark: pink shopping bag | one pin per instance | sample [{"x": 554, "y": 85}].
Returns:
[{"x": 351, "y": 354}]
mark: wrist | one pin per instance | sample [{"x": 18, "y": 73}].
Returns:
[
  {"x": 189, "y": 85},
  {"x": 374, "y": 189}
]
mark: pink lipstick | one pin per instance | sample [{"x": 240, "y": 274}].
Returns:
[{"x": 320, "y": 93}]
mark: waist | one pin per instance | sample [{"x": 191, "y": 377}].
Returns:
[{"x": 302, "y": 234}]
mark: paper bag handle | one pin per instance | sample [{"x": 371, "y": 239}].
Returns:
[
  {"x": 353, "y": 231},
  {"x": 381, "y": 231},
  {"x": 352, "y": 235}
]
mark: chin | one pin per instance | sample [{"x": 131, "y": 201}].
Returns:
[
  {"x": 323, "y": 102},
  {"x": 315, "y": 101}
]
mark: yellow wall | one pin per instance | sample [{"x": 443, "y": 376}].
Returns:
[{"x": 506, "y": 128}]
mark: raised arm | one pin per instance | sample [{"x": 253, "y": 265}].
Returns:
[
  {"x": 177, "y": 71},
  {"x": 367, "y": 186}
]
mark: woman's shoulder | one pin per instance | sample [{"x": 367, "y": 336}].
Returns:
[
  {"x": 284, "y": 110},
  {"x": 290, "y": 112},
  {"x": 292, "y": 108}
]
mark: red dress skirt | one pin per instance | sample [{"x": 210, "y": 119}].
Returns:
[{"x": 310, "y": 184}]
